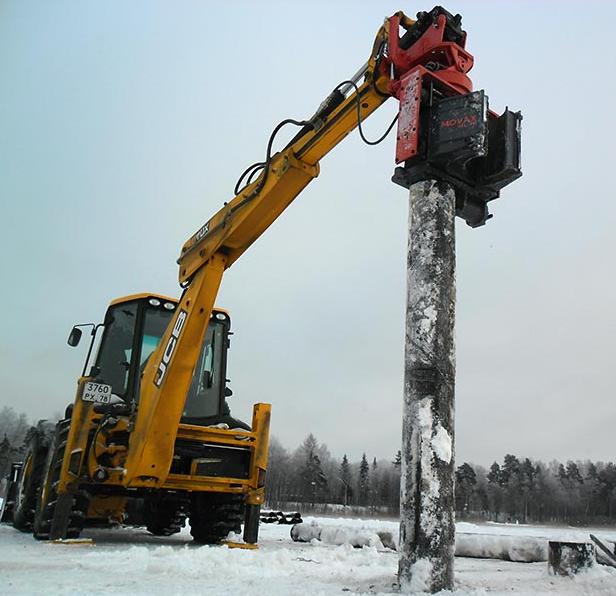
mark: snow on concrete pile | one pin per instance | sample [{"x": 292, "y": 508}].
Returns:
[
  {"x": 306, "y": 532},
  {"x": 522, "y": 549},
  {"x": 356, "y": 538},
  {"x": 336, "y": 535},
  {"x": 507, "y": 542},
  {"x": 526, "y": 549}
]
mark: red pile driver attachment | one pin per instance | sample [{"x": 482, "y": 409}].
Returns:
[{"x": 445, "y": 130}]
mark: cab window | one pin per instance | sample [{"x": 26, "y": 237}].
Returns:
[{"x": 115, "y": 352}]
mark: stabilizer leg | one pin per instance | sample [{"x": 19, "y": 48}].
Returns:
[{"x": 251, "y": 524}]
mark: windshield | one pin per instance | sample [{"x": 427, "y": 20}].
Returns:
[
  {"x": 115, "y": 355},
  {"x": 204, "y": 395},
  {"x": 154, "y": 326}
]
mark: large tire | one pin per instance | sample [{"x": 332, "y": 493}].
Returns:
[
  {"x": 165, "y": 514},
  {"x": 31, "y": 474},
  {"x": 214, "y": 515},
  {"x": 50, "y": 504}
]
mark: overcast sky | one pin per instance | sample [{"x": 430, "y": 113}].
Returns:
[{"x": 124, "y": 126}]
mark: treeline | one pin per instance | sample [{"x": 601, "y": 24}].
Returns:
[
  {"x": 521, "y": 490},
  {"x": 516, "y": 490},
  {"x": 13, "y": 429},
  {"x": 310, "y": 475}
]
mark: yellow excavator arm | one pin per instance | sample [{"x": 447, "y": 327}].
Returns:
[
  {"x": 243, "y": 219},
  {"x": 220, "y": 242},
  {"x": 408, "y": 60}
]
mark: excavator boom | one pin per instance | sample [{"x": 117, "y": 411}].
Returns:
[
  {"x": 418, "y": 62},
  {"x": 221, "y": 241}
]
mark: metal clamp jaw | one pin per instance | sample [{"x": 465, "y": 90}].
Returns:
[{"x": 461, "y": 142}]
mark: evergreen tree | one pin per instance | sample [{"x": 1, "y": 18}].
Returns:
[
  {"x": 394, "y": 491},
  {"x": 363, "y": 483},
  {"x": 479, "y": 498},
  {"x": 573, "y": 473},
  {"x": 385, "y": 488},
  {"x": 311, "y": 474},
  {"x": 607, "y": 484},
  {"x": 512, "y": 484},
  {"x": 510, "y": 469},
  {"x": 374, "y": 484},
  {"x": 528, "y": 475},
  {"x": 466, "y": 479},
  {"x": 345, "y": 477},
  {"x": 494, "y": 489},
  {"x": 495, "y": 475},
  {"x": 591, "y": 490},
  {"x": 277, "y": 479}
]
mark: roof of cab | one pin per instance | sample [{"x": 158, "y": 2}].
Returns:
[{"x": 142, "y": 295}]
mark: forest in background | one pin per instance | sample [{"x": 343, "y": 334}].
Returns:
[{"x": 515, "y": 490}]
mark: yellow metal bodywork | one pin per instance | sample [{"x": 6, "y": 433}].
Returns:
[
  {"x": 82, "y": 422},
  {"x": 160, "y": 407},
  {"x": 257, "y": 441},
  {"x": 107, "y": 507},
  {"x": 111, "y": 508},
  {"x": 242, "y": 545},
  {"x": 73, "y": 541}
]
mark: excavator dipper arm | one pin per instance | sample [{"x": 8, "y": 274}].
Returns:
[{"x": 434, "y": 42}]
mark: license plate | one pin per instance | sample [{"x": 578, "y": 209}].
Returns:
[{"x": 97, "y": 393}]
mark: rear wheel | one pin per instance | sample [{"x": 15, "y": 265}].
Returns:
[
  {"x": 30, "y": 476},
  {"x": 58, "y": 515},
  {"x": 165, "y": 514},
  {"x": 214, "y": 515}
]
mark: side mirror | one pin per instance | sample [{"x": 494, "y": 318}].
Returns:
[
  {"x": 74, "y": 337},
  {"x": 228, "y": 392}
]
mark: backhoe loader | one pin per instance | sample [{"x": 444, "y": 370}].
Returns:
[{"x": 149, "y": 431}]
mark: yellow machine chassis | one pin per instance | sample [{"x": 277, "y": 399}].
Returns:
[{"x": 81, "y": 465}]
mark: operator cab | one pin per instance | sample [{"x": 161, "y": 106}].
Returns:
[{"x": 133, "y": 328}]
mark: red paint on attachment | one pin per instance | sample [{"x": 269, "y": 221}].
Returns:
[
  {"x": 408, "y": 120},
  {"x": 454, "y": 60},
  {"x": 430, "y": 59}
]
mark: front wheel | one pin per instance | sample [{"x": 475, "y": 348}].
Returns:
[
  {"x": 214, "y": 515},
  {"x": 164, "y": 514}
]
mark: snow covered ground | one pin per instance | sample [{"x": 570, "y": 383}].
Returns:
[{"x": 130, "y": 561}]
